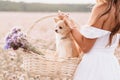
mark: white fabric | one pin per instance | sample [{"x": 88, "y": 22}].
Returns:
[
  {"x": 99, "y": 63},
  {"x": 92, "y": 32}
]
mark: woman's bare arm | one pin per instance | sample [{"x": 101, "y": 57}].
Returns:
[{"x": 85, "y": 43}]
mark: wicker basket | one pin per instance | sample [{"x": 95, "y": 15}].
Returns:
[
  {"x": 56, "y": 68},
  {"x": 60, "y": 69}
]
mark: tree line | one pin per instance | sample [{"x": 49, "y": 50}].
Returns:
[{"x": 40, "y": 7}]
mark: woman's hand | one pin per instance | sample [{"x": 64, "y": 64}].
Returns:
[
  {"x": 62, "y": 15},
  {"x": 70, "y": 23},
  {"x": 67, "y": 19}
]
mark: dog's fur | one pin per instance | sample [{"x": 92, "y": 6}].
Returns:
[{"x": 65, "y": 44}]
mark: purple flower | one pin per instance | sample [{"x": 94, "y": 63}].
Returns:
[
  {"x": 15, "y": 30},
  {"x": 15, "y": 39},
  {"x": 8, "y": 44}
]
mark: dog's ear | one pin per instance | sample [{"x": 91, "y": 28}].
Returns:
[
  {"x": 56, "y": 19},
  {"x": 66, "y": 23}
]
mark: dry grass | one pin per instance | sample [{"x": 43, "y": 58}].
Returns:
[{"x": 42, "y": 36}]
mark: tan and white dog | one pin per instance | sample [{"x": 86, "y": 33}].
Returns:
[{"x": 65, "y": 43}]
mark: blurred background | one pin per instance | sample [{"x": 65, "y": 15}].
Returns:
[
  {"x": 24, "y": 13},
  {"x": 46, "y": 5}
]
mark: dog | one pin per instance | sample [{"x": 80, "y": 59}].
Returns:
[{"x": 65, "y": 44}]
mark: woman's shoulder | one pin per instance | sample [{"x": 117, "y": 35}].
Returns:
[
  {"x": 100, "y": 7},
  {"x": 97, "y": 10}
]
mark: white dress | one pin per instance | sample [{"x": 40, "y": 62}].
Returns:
[{"x": 99, "y": 63}]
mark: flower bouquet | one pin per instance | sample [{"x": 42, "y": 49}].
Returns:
[{"x": 17, "y": 39}]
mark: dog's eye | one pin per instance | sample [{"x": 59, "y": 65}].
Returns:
[{"x": 60, "y": 27}]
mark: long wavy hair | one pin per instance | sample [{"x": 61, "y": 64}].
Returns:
[{"x": 117, "y": 15}]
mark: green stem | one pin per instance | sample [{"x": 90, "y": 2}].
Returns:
[{"x": 33, "y": 49}]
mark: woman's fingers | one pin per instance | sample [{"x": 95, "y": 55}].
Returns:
[
  {"x": 62, "y": 15},
  {"x": 70, "y": 22},
  {"x": 66, "y": 18}
]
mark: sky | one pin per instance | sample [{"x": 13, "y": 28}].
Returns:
[{"x": 58, "y": 1}]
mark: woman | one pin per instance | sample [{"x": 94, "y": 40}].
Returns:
[{"x": 98, "y": 40}]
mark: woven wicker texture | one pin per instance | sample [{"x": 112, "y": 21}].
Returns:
[{"x": 59, "y": 68}]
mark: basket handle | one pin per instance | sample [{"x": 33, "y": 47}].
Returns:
[{"x": 37, "y": 21}]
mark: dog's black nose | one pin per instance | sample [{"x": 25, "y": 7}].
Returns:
[{"x": 56, "y": 30}]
